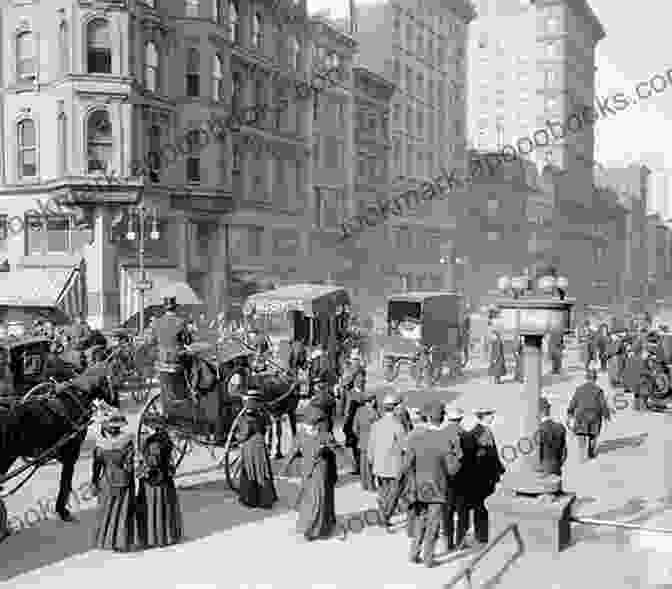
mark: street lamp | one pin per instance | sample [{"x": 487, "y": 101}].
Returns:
[
  {"x": 139, "y": 216},
  {"x": 527, "y": 495}
]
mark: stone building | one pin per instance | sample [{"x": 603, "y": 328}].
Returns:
[{"x": 92, "y": 89}]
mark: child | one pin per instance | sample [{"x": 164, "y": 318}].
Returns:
[{"x": 158, "y": 506}]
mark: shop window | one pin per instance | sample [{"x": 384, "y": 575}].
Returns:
[
  {"x": 27, "y": 149},
  {"x": 99, "y": 47}
]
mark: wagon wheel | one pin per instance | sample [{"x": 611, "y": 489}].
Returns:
[
  {"x": 661, "y": 385},
  {"x": 236, "y": 382},
  {"x": 39, "y": 389},
  {"x": 232, "y": 461},
  {"x": 152, "y": 416},
  {"x": 4, "y": 522},
  {"x": 391, "y": 369}
]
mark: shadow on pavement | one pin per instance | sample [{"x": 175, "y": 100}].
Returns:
[{"x": 622, "y": 443}]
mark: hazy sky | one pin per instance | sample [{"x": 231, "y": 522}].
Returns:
[{"x": 630, "y": 53}]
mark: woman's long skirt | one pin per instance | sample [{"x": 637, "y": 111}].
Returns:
[
  {"x": 115, "y": 525},
  {"x": 159, "y": 515},
  {"x": 317, "y": 512}
]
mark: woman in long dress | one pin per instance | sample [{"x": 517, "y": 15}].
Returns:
[
  {"x": 113, "y": 466},
  {"x": 365, "y": 417},
  {"x": 497, "y": 368},
  {"x": 315, "y": 503},
  {"x": 158, "y": 506},
  {"x": 257, "y": 488}
]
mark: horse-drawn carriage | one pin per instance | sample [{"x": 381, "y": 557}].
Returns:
[
  {"x": 218, "y": 378},
  {"x": 659, "y": 381},
  {"x": 424, "y": 330}
]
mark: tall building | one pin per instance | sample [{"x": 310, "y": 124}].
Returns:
[
  {"x": 421, "y": 47},
  {"x": 90, "y": 89}
]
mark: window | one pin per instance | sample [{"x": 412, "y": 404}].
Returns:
[
  {"x": 234, "y": 22},
  {"x": 257, "y": 31},
  {"x": 316, "y": 106},
  {"x": 397, "y": 71},
  {"x": 99, "y": 141},
  {"x": 409, "y": 34},
  {"x": 64, "y": 47},
  {"x": 27, "y": 149},
  {"x": 295, "y": 53},
  {"x": 551, "y": 104},
  {"x": 318, "y": 208},
  {"x": 316, "y": 150},
  {"x": 99, "y": 47},
  {"x": 552, "y": 49},
  {"x": 493, "y": 236},
  {"x": 153, "y": 157},
  {"x": 236, "y": 91},
  {"x": 192, "y": 8},
  {"x": 217, "y": 79},
  {"x": 25, "y": 56},
  {"x": 493, "y": 205},
  {"x": 549, "y": 78},
  {"x": 151, "y": 67},
  {"x": 193, "y": 160},
  {"x": 247, "y": 240},
  {"x": 235, "y": 160},
  {"x": 421, "y": 85},
  {"x": 193, "y": 73},
  {"x": 409, "y": 80},
  {"x": 420, "y": 122},
  {"x": 48, "y": 235},
  {"x": 483, "y": 41}
]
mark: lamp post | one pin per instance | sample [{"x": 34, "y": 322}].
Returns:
[
  {"x": 139, "y": 215},
  {"x": 527, "y": 495}
]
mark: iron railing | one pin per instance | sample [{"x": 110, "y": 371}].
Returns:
[{"x": 467, "y": 572}]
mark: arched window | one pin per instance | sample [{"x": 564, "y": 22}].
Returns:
[
  {"x": 193, "y": 73},
  {"x": 257, "y": 30},
  {"x": 217, "y": 79},
  {"x": 154, "y": 155},
  {"x": 151, "y": 67},
  {"x": 295, "y": 53},
  {"x": 27, "y": 149},
  {"x": 64, "y": 47},
  {"x": 193, "y": 8},
  {"x": 98, "y": 47},
  {"x": 236, "y": 91},
  {"x": 25, "y": 56},
  {"x": 99, "y": 141},
  {"x": 234, "y": 22}
]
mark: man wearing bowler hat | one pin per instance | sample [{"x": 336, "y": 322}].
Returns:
[
  {"x": 462, "y": 482},
  {"x": 488, "y": 470},
  {"x": 172, "y": 336},
  {"x": 551, "y": 442}
]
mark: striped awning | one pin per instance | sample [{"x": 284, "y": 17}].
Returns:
[{"x": 51, "y": 288}]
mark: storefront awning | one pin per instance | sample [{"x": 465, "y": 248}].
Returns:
[
  {"x": 54, "y": 288},
  {"x": 310, "y": 299},
  {"x": 165, "y": 286}
]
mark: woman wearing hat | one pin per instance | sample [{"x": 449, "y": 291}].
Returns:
[
  {"x": 366, "y": 415},
  {"x": 497, "y": 367},
  {"x": 158, "y": 506},
  {"x": 257, "y": 488},
  {"x": 113, "y": 467},
  {"x": 315, "y": 503}
]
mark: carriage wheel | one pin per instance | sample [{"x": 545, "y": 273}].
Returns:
[
  {"x": 43, "y": 388},
  {"x": 152, "y": 416},
  {"x": 232, "y": 461},
  {"x": 661, "y": 385},
  {"x": 391, "y": 370}
]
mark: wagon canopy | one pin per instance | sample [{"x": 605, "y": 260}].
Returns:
[{"x": 309, "y": 299}]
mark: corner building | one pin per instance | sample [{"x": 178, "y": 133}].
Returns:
[{"x": 89, "y": 89}]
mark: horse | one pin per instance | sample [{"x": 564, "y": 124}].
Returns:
[
  {"x": 31, "y": 427},
  {"x": 280, "y": 395}
]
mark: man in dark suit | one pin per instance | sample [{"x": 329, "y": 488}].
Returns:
[
  {"x": 462, "y": 482},
  {"x": 586, "y": 412},
  {"x": 433, "y": 457},
  {"x": 552, "y": 441},
  {"x": 172, "y": 336},
  {"x": 488, "y": 470}
]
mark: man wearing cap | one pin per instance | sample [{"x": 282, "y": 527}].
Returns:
[
  {"x": 462, "y": 483},
  {"x": 488, "y": 470},
  {"x": 586, "y": 412},
  {"x": 172, "y": 337},
  {"x": 432, "y": 459},
  {"x": 385, "y": 451},
  {"x": 552, "y": 441}
]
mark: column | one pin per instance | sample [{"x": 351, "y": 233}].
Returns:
[
  {"x": 61, "y": 141},
  {"x": 220, "y": 270}
]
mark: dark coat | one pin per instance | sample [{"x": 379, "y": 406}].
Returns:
[
  {"x": 497, "y": 366},
  {"x": 635, "y": 371},
  {"x": 465, "y": 476},
  {"x": 172, "y": 335},
  {"x": 589, "y": 408},
  {"x": 552, "y": 446},
  {"x": 488, "y": 468},
  {"x": 433, "y": 457}
]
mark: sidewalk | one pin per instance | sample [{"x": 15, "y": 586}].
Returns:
[{"x": 627, "y": 482}]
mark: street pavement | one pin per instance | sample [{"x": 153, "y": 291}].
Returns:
[{"x": 229, "y": 546}]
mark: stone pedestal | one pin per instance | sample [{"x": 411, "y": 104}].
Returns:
[{"x": 543, "y": 521}]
